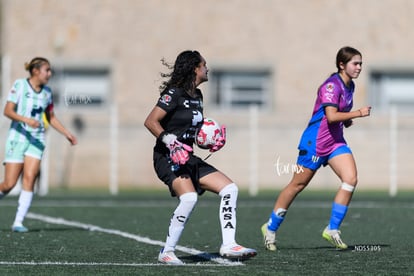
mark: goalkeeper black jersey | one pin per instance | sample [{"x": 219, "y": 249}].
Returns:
[{"x": 184, "y": 115}]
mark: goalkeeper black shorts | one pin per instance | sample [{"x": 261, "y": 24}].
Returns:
[{"x": 195, "y": 168}]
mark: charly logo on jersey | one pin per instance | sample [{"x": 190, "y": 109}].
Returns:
[{"x": 195, "y": 103}]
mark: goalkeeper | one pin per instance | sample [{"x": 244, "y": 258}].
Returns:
[{"x": 173, "y": 121}]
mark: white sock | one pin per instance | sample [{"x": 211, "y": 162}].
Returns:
[
  {"x": 25, "y": 200},
  {"x": 227, "y": 213},
  {"x": 179, "y": 219}
]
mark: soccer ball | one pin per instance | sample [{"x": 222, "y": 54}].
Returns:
[{"x": 208, "y": 133}]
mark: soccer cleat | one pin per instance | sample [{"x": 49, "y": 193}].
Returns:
[
  {"x": 235, "y": 251},
  {"x": 333, "y": 236},
  {"x": 169, "y": 258},
  {"x": 269, "y": 238},
  {"x": 19, "y": 229}
]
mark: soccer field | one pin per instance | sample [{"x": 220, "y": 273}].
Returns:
[{"x": 105, "y": 235}]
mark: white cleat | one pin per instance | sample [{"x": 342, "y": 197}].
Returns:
[
  {"x": 236, "y": 251},
  {"x": 19, "y": 229},
  {"x": 169, "y": 258}
]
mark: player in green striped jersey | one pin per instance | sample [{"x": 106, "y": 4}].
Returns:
[{"x": 27, "y": 104}]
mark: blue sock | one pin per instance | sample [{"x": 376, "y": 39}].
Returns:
[
  {"x": 274, "y": 222},
  {"x": 337, "y": 215}
]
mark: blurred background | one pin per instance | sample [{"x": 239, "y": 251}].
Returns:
[{"x": 266, "y": 60}]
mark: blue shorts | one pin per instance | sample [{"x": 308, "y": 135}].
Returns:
[{"x": 310, "y": 160}]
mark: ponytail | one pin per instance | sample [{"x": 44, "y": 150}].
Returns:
[{"x": 35, "y": 63}]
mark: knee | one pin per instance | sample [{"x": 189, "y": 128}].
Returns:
[
  {"x": 189, "y": 198},
  {"x": 7, "y": 186},
  {"x": 353, "y": 181},
  {"x": 230, "y": 188},
  {"x": 29, "y": 177},
  {"x": 348, "y": 187}
]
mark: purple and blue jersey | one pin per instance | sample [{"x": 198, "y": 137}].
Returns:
[{"x": 320, "y": 138}]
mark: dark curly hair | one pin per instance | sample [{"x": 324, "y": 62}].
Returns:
[{"x": 183, "y": 73}]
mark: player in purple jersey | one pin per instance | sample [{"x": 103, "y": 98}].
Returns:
[
  {"x": 174, "y": 121},
  {"x": 323, "y": 143}
]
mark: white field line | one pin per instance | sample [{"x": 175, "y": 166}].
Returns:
[
  {"x": 97, "y": 264},
  {"x": 162, "y": 204},
  {"x": 90, "y": 227}
]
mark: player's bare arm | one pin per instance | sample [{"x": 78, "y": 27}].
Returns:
[
  {"x": 56, "y": 124},
  {"x": 333, "y": 115},
  {"x": 9, "y": 112},
  {"x": 152, "y": 123}
]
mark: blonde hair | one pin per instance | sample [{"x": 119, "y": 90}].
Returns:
[{"x": 35, "y": 63}]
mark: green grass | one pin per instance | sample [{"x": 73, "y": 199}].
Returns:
[{"x": 377, "y": 228}]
